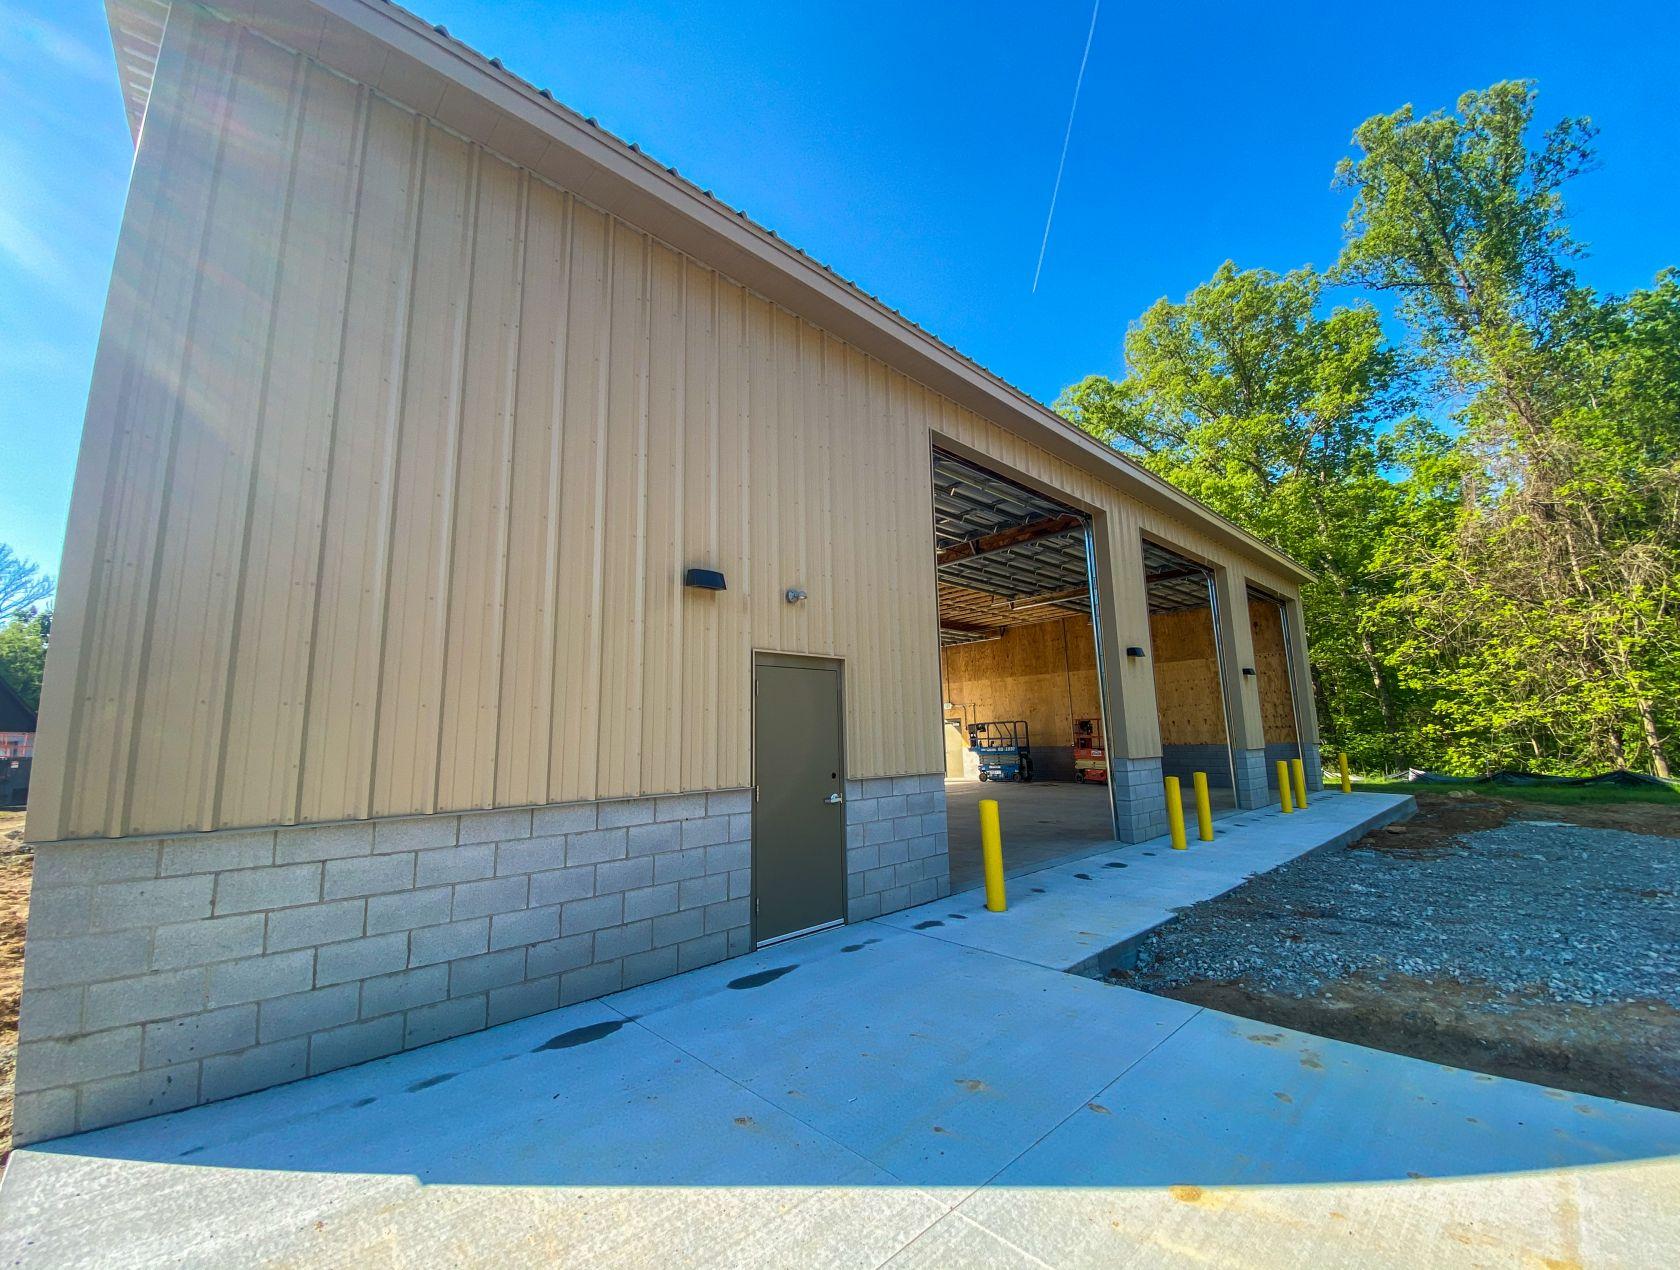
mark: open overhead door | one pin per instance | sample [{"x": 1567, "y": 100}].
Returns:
[
  {"x": 1270, "y": 633},
  {"x": 1019, "y": 668},
  {"x": 1188, "y": 661}
]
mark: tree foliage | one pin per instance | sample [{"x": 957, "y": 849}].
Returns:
[
  {"x": 1281, "y": 417},
  {"x": 23, "y": 654},
  {"x": 1500, "y": 591},
  {"x": 1546, "y": 619}
]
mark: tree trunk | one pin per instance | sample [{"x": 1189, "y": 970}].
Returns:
[
  {"x": 1378, "y": 680},
  {"x": 1613, "y": 741},
  {"x": 1653, "y": 739}
]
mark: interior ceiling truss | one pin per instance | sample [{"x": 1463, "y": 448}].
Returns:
[
  {"x": 1006, "y": 556},
  {"x": 1174, "y": 582}
]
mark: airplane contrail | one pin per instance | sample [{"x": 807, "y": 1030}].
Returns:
[{"x": 1068, "y": 136}]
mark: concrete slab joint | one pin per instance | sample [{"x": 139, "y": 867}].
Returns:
[{"x": 166, "y": 972}]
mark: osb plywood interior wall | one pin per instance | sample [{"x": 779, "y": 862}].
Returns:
[
  {"x": 1271, "y": 667},
  {"x": 1045, "y": 673},
  {"x": 1187, "y": 694}
]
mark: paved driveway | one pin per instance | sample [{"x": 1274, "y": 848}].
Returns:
[{"x": 871, "y": 1094}]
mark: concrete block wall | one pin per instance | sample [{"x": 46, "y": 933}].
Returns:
[
  {"x": 1276, "y": 751},
  {"x": 1053, "y": 762},
  {"x": 1288, "y": 751},
  {"x": 1313, "y": 763},
  {"x": 896, "y": 854},
  {"x": 1183, "y": 761},
  {"x": 1253, "y": 773},
  {"x": 1140, "y": 800},
  {"x": 166, "y": 972}
]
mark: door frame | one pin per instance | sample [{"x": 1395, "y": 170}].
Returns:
[
  {"x": 1094, "y": 580},
  {"x": 756, "y": 657}
]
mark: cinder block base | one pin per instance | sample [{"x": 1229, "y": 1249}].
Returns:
[
  {"x": 165, "y": 972},
  {"x": 1252, "y": 775},
  {"x": 1140, "y": 800},
  {"x": 1184, "y": 761},
  {"x": 1311, "y": 761},
  {"x": 1288, "y": 752},
  {"x": 896, "y": 853}
]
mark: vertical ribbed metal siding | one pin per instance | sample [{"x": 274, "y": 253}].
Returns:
[{"x": 395, "y": 456}]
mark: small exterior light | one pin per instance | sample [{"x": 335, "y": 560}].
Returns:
[
  {"x": 705, "y": 580},
  {"x": 1248, "y": 672},
  {"x": 794, "y": 595},
  {"x": 1134, "y": 651}
]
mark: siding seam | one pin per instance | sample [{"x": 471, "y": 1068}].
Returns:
[
  {"x": 136, "y": 699},
  {"x": 388, "y": 485},
  {"x": 364, "y": 122},
  {"x": 212, "y": 815}
]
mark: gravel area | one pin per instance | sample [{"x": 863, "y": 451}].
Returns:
[
  {"x": 1534, "y": 948},
  {"x": 1582, "y": 915}
]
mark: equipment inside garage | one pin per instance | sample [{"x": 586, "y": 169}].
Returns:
[
  {"x": 1018, "y": 668},
  {"x": 1189, "y": 697}
]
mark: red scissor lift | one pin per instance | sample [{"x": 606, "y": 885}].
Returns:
[{"x": 1090, "y": 763}]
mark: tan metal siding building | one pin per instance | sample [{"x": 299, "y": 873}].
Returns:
[{"x": 416, "y": 397}]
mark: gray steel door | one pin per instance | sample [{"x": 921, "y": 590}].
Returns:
[{"x": 799, "y": 819}]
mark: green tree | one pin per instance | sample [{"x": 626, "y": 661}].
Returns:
[
  {"x": 23, "y": 654},
  {"x": 1278, "y": 415},
  {"x": 1544, "y": 623}
]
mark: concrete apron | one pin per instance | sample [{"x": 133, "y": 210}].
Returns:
[
  {"x": 882, "y": 1093},
  {"x": 1085, "y": 916}
]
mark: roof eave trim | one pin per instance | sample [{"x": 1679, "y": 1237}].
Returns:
[{"x": 136, "y": 36}]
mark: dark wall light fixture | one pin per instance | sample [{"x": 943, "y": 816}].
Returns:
[
  {"x": 705, "y": 580},
  {"x": 1134, "y": 651},
  {"x": 1248, "y": 672}
]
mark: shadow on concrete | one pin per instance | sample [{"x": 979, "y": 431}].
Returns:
[{"x": 1044, "y": 823}]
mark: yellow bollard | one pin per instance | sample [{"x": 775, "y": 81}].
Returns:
[
  {"x": 1347, "y": 781},
  {"x": 1300, "y": 782},
  {"x": 1204, "y": 808},
  {"x": 991, "y": 854},
  {"x": 1175, "y": 814},
  {"x": 1283, "y": 787}
]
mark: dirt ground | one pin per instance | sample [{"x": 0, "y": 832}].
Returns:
[
  {"x": 1444, "y": 814},
  {"x": 1485, "y": 933},
  {"x": 14, "y": 912}
]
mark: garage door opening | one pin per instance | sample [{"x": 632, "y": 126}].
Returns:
[
  {"x": 1270, "y": 633},
  {"x": 1019, "y": 670},
  {"x": 1189, "y": 674}
]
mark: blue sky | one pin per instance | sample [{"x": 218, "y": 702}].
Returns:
[{"x": 912, "y": 147}]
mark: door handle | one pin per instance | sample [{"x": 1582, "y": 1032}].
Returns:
[{"x": 832, "y": 798}]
